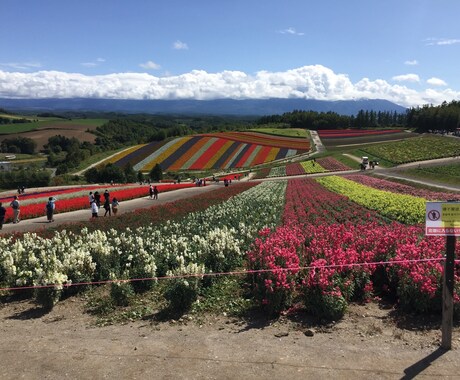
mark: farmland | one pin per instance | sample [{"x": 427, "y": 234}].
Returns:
[
  {"x": 226, "y": 150},
  {"x": 42, "y": 129}
]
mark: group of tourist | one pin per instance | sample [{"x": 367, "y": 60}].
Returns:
[{"x": 109, "y": 206}]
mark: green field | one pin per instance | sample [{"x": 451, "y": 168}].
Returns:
[
  {"x": 291, "y": 132},
  {"x": 415, "y": 149},
  {"x": 50, "y": 123},
  {"x": 449, "y": 174}
]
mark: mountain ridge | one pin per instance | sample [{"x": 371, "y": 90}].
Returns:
[{"x": 243, "y": 107}]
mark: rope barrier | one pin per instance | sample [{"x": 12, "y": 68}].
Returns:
[{"x": 232, "y": 273}]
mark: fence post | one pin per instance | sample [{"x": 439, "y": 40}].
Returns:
[{"x": 448, "y": 294}]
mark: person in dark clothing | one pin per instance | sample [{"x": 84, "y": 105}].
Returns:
[
  {"x": 97, "y": 198},
  {"x": 151, "y": 191},
  {"x": 106, "y": 195},
  {"x": 2, "y": 215},
  {"x": 107, "y": 207},
  {"x": 155, "y": 192},
  {"x": 49, "y": 208}
]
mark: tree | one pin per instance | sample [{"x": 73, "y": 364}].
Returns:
[
  {"x": 129, "y": 172},
  {"x": 156, "y": 174}
]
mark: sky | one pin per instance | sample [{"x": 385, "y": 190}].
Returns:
[{"x": 405, "y": 51}]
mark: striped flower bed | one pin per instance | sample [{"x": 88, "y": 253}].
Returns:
[
  {"x": 331, "y": 164},
  {"x": 311, "y": 167},
  {"x": 211, "y": 151},
  {"x": 337, "y": 133},
  {"x": 295, "y": 169}
]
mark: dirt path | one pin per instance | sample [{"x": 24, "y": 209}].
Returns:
[{"x": 366, "y": 344}]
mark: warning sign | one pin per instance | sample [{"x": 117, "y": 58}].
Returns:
[{"x": 443, "y": 218}]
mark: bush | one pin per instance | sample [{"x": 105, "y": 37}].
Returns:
[
  {"x": 121, "y": 293},
  {"x": 328, "y": 306}
]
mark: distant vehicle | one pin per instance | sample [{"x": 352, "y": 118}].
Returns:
[
  {"x": 365, "y": 160},
  {"x": 10, "y": 157}
]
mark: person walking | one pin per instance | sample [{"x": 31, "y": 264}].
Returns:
[
  {"x": 97, "y": 198},
  {"x": 151, "y": 191},
  {"x": 115, "y": 206},
  {"x": 2, "y": 215},
  {"x": 49, "y": 208},
  {"x": 155, "y": 192},
  {"x": 107, "y": 207},
  {"x": 16, "y": 209},
  {"x": 91, "y": 198},
  {"x": 94, "y": 210},
  {"x": 106, "y": 196}
]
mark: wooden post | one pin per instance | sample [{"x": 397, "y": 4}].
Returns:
[{"x": 448, "y": 294}]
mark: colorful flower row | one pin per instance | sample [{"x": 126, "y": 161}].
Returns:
[
  {"x": 36, "y": 207},
  {"x": 264, "y": 139},
  {"x": 331, "y": 164},
  {"x": 311, "y": 167},
  {"x": 213, "y": 240},
  {"x": 211, "y": 151},
  {"x": 336, "y": 239},
  {"x": 277, "y": 171},
  {"x": 336, "y": 133},
  {"x": 403, "y": 208},
  {"x": 395, "y": 187}
]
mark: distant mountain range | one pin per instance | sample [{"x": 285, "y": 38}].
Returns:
[{"x": 249, "y": 107}]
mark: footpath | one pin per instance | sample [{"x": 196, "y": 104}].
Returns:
[{"x": 35, "y": 224}]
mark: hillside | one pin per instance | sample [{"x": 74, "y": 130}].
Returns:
[
  {"x": 211, "y": 151},
  {"x": 189, "y": 106}
]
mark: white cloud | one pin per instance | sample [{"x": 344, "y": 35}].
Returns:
[
  {"x": 308, "y": 82},
  {"x": 436, "y": 82},
  {"x": 179, "y": 45},
  {"x": 414, "y": 62},
  {"x": 407, "y": 78},
  {"x": 21, "y": 65},
  {"x": 292, "y": 31},
  {"x": 150, "y": 65},
  {"x": 442, "y": 41},
  {"x": 95, "y": 63}
]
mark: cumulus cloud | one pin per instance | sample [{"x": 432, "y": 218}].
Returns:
[
  {"x": 308, "y": 82},
  {"x": 179, "y": 45},
  {"x": 436, "y": 82},
  {"x": 292, "y": 31},
  {"x": 150, "y": 65},
  {"x": 414, "y": 62},
  {"x": 407, "y": 78}
]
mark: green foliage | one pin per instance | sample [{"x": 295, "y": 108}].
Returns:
[
  {"x": 121, "y": 293},
  {"x": 331, "y": 120},
  {"x": 445, "y": 117},
  {"x": 30, "y": 177},
  {"x": 156, "y": 174},
  {"x": 181, "y": 294},
  {"x": 107, "y": 174},
  {"x": 415, "y": 149},
  {"x": 18, "y": 145},
  {"x": 327, "y": 306}
]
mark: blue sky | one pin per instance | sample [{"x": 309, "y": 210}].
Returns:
[{"x": 406, "y": 51}]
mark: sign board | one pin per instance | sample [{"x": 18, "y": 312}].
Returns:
[{"x": 442, "y": 219}]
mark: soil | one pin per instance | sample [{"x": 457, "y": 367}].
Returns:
[{"x": 370, "y": 341}]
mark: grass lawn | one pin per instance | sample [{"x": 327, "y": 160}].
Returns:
[
  {"x": 448, "y": 174},
  {"x": 285, "y": 132},
  {"x": 51, "y": 123}
]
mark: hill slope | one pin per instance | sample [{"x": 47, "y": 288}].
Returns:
[{"x": 189, "y": 106}]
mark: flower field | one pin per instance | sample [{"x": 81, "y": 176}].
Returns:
[
  {"x": 212, "y": 151},
  {"x": 344, "y": 133},
  {"x": 395, "y": 187},
  {"x": 415, "y": 149},
  {"x": 33, "y": 205},
  {"x": 298, "y": 241}
]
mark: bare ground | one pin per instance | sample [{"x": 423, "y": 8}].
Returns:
[{"x": 371, "y": 341}]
